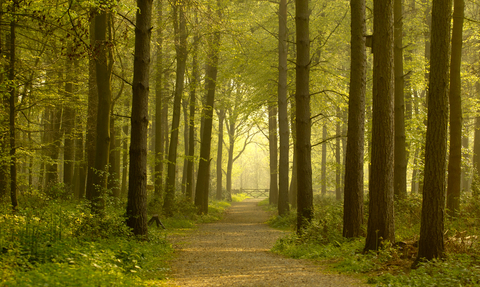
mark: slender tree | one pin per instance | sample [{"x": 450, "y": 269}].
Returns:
[
  {"x": 431, "y": 243},
  {"x": 203, "y": 178},
  {"x": 400, "y": 154},
  {"x": 273, "y": 149},
  {"x": 181, "y": 50},
  {"x": 137, "y": 186},
  {"x": 192, "y": 106},
  {"x": 380, "y": 220},
  {"x": 159, "y": 131},
  {"x": 283, "y": 166},
  {"x": 221, "y": 120},
  {"x": 455, "y": 96}
]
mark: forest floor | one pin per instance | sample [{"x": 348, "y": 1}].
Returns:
[{"x": 235, "y": 252}]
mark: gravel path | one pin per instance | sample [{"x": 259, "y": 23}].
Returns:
[{"x": 235, "y": 252}]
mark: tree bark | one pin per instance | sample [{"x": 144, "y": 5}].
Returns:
[
  {"x": 221, "y": 119},
  {"x": 431, "y": 243},
  {"x": 92, "y": 111},
  {"x": 324, "y": 160},
  {"x": 455, "y": 97},
  {"x": 273, "y": 149},
  {"x": 12, "y": 112},
  {"x": 380, "y": 219},
  {"x": 103, "y": 71},
  {"x": 303, "y": 122},
  {"x": 181, "y": 50},
  {"x": 137, "y": 187},
  {"x": 192, "y": 106},
  {"x": 400, "y": 167},
  {"x": 203, "y": 178},
  {"x": 353, "y": 190},
  {"x": 283, "y": 165},
  {"x": 159, "y": 127}
]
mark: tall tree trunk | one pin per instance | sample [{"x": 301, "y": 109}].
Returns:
[
  {"x": 12, "y": 112},
  {"x": 221, "y": 120},
  {"x": 324, "y": 160},
  {"x": 380, "y": 219},
  {"x": 159, "y": 127},
  {"x": 103, "y": 71},
  {"x": 231, "y": 146},
  {"x": 303, "y": 122},
  {"x": 283, "y": 165},
  {"x": 272, "y": 143},
  {"x": 69, "y": 126},
  {"x": 455, "y": 155},
  {"x": 181, "y": 50},
  {"x": 185, "y": 104},
  {"x": 431, "y": 243},
  {"x": 203, "y": 177},
  {"x": 353, "y": 190},
  {"x": 192, "y": 105},
  {"x": 113, "y": 177},
  {"x": 338, "y": 157},
  {"x": 137, "y": 187},
  {"x": 92, "y": 111},
  {"x": 400, "y": 165},
  {"x": 293, "y": 182}
]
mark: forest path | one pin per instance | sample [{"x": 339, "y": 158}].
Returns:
[{"x": 235, "y": 252}]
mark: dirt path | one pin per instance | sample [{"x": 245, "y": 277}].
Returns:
[{"x": 235, "y": 252}]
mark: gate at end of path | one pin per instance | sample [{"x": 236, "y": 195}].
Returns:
[{"x": 253, "y": 192}]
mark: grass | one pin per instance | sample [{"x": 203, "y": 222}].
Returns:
[
  {"x": 390, "y": 266},
  {"x": 57, "y": 242}
]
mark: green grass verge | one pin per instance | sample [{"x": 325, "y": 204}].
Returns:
[{"x": 54, "y": 242}]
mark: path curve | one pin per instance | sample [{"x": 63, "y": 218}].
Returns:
[{"x": 235, "y": 252}]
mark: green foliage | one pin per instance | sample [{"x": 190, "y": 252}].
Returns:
[
  {"x": 239, "y": 197},
  {"x": 60, "y": 243},
  {"x": 390, "y": 266},
  {"x": 458, "y": 270}
]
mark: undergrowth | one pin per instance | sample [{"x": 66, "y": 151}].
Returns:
[
  {"x": 322, "y": 240},
  {"x": 53, "y": 241}
]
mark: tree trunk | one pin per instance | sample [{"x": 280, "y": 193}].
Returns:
[
  {"x": 293, "y": 182},
  {"x": 69, "y": 127},
  {"x": 185, "y": 110},
  {"x": 455, "y": 155},
  {"x": 272, "y": 143},
  {"x": 192, "y": 105},
  {"x": 431, "y": 242},
  {"x": 159, "y": 127},
  {"x": 353, "y": 190},
  {"x": 338, "y": 157},
  {"x": 231, "y": 146},
  {"x": 202, "y": 187},
  {"x": 283, "y": 165},
  {"x": 103, "y": 71},
  {"x": 221, "y": 120},
  {"x": 12, "y": 113},
  {"x": 400, "y": 167},
  {"x": 137, "y": 187},
  {"x": 92, "y": 111},
  {"x": 303, "y": 122},
  {"x": 380, "y": 219},
  {"x": 181, "y": 50}
]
